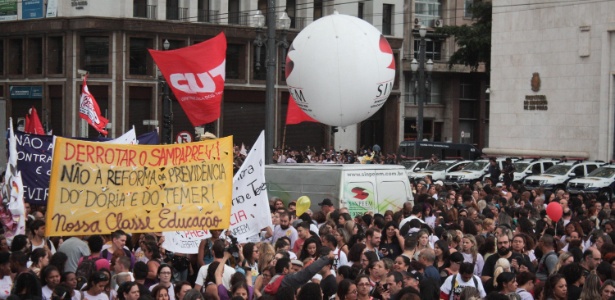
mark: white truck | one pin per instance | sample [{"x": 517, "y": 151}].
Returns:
[{"x": 358, "y": 187}]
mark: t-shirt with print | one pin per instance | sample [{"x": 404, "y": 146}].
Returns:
[{"x": 454, "y": 284}]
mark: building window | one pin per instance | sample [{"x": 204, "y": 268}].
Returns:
[
  {"x": 172, "y": 9},
  {"x": 291, "y": 11},
  {"x": 235, "y": 61},
  {"x": 433, "y": 94},
  {"x": 387, "y": 19},
  {"x": 317, "y": 9},
  {"x": 467, "y": 8},
  {"x": 203, "y": 11},
  {"x": 1, "y": 57},
  {"x": 360, "y": 10},
  {"x": 468, "y": 104},
  {"x": 140, "y": 107},
  {"x": 432, "y": 49},
  {"x": 55, "y": 55},
  {"x": 173, "y": 44},
  {"x": 427, "y": 11},
  {"x": 95, "y": 54},
  {"x": 15, "y": 57},
  {"x": 35, "y": 56},
  {"x": 139, "y": 8},
  {"x": 140, "y": 61},
  {"x": 234, "y": 14}
]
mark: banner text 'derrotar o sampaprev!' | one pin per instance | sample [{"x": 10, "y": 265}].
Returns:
[{"x": 99, "y": 188}]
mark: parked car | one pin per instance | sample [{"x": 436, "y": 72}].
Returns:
[
  {"x": 532, "y": 166},
  {"x": 601, "y": 181},
  {"x": 438, "y": 170},
  {"x": 557, "y": 176},
  {"x": 472, "y": 172},
  {"x": 415, "y": 165}
]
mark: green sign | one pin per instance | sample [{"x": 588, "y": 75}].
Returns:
[{"x": 8, "y": 10}]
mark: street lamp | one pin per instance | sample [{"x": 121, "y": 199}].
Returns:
[
  {"x": 422, "y": 84},
  {"x": 167, "y": 113},
  {"x": 272, "y": 44}
]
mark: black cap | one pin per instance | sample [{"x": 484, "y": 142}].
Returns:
[
  {"x": 416, "y": 275},
  {"x": 326, "y": 201}
]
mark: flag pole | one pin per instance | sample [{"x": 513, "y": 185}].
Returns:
[{"x": 284, "y": 138}]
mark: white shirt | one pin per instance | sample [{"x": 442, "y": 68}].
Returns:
[
  {"x": 448, "y": 288},
  {"x": 47, "y": 293},
  {"x": 226, "y": 276},
  {"x": 478, "y": 265},
  {"x": 408, "y": 219},
  {"x": 5, "y": 287},
  {"x": 101, "y": 296},
  {"x": 340, "y": 258}
]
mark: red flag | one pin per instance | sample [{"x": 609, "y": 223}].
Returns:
[
  {"x": 33, "y": 123},
  {"x": 89, "y": 110},
  {"x": 196, "y": 75},
  {"x": 294, "y": 114}
]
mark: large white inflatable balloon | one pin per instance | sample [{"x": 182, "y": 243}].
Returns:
[{"x": 340, "y": 70}]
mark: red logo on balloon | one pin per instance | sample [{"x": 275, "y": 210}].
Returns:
[
  {"x": 289, "y": 63},
  {"x": 386, "y": 48},
  {"x": 360, "y": 193}
]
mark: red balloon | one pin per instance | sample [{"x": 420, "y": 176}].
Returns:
[{"x": 555, "y": 211}]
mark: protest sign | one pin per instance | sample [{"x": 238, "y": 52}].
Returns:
[
  {"x": 186, "y": 242},
  {"x": 97, "y": 188},
  {"x": 34, "y": 153},
  {"x": 250, "y": 212}
]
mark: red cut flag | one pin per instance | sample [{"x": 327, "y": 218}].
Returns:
[
  {"x": 33, "y": 122},
  {"x": 294, "y": 114},
  {"x": 196, "y": 76},
  {"x": 89, "y": 110}
]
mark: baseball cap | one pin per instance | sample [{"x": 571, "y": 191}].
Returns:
[
  {"x": 326, "y": 201},
  {"x": 296, "y": 262},
  {"x": 439, "y": 182},
  {"x": 416, "y": 275}
]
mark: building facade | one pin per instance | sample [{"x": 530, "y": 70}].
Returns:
[
  {"x": 456, "y": 106},
  {"x": 46, "y": 46},
  {"x": 552, "y": 79}
]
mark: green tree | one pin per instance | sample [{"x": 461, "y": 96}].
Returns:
[{"x": 474, "y": 40}]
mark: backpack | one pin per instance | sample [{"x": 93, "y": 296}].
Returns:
[
  {"x": 454, "y": 286},
  {"x": 87, "y": 267},
  {"x": 274, "y": 285}
]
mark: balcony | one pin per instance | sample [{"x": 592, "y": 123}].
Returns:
[
  {"x": 208, "y": 16},
  {"x": 239, "y": 18},
  {"x": 178, "y": 14},
  {"x": 145, "y": 11}
]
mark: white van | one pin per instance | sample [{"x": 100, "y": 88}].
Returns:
[{"x": 360, "y": 188}]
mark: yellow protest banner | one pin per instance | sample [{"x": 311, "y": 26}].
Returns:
[{"x": 97, "y": 188}]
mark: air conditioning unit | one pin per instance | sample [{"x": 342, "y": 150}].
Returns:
[
  {"x": 417, "y": 22},
  {"x": 438, "y": 23}
]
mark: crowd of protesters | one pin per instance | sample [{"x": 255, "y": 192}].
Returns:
[{"x": 486, "y": 241}]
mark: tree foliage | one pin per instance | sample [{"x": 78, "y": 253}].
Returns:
[{"x": 474, "y": 40}]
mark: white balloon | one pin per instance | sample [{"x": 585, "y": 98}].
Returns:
[{"x": 340, "y": 70}]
